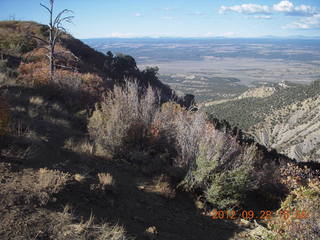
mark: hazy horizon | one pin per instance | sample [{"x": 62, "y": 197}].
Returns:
[{"x": 291, "y": 37}]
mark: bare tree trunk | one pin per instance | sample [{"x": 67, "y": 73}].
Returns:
[
  {"x": 55, "y": 30},
  {"x": 51, "y": 44}
]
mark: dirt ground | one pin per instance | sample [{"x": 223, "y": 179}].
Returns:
[{"x": 46, "y": 165}]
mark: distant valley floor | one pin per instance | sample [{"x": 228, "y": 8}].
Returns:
[{"x": 247, "y": 70}]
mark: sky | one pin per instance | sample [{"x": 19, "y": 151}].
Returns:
[{"x": 176, "y": 18}]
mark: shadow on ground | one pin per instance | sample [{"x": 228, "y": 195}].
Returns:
[{"x": 39, "y": 141}]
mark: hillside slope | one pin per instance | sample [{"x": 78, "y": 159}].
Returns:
[
  {"x": 21, "y": 53},
  {"x": 293, "y": 130},
  {"x": 249, "y": 111},
  {"x": 128, "y": 165},
  {"x": 47, "y": 164}
]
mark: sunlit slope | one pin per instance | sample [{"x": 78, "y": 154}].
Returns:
[
  {"x": 293, "y": 130},
  {"x": 255, "y": 108}
]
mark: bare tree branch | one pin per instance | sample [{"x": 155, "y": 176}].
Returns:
[
  {"x": 42, "y": 40},
  {"x": 45, "y": 7},
  {"x": 58, "y": 17},
  {"x": 55, "y": 31}
]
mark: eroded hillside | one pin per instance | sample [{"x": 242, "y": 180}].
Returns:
[
  {"x": 257, "y": 104},
  {"x": 293, "y": 130}
]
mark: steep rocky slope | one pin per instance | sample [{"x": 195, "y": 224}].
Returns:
[
  {"x": 256, "y": 92},
  {"x": 249, "y": 111},
  {"x": 259, "y": 92},
  {"x": 293, "y": 130}
]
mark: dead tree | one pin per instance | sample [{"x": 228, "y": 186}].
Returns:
[{"x": 55, "y": 31}]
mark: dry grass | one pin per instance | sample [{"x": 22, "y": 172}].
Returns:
[
  {"x": 83, "y": 146},
  {"x": 52, "y": 181},
  {"x": 36, "y": 100},
  {"x": 163, "y": 187},
  {"x": 80, "y": 177},
  {"x": 109, "y": 232},
  {"x": 33, "y": 187},
  {"x": 106, "y": 179},
  {"x": 45, "y": 224},
  {"x": 89, "y": 230}
]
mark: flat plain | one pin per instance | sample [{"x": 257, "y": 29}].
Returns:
[{"x": 214, "y": 69}]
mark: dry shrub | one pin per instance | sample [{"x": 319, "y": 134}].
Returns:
[
  {"x": 292, "y": 176},
  {"x": 190, "y": 129},
  {"x": 52, "y": 181},
  {"x": 214, "y": 162},
  {"x": 36, "y": 55},
  {"x": 37, "y": 101},
  {"x": 4, "y": 117},
  {"x": 106, "y": 184},
  {"x": 298, "y": 217},
  {"x": 90, "y": 230},
  {"x": 79, "y": 89},
  {"x": 109, "y": 232},
  {"x": 33, "y": 73},
  {"x": 123, "y": 119},
  {"x": 65, "y": 58},
  {"x": 78, "y": 81},
  {"x": 74, "y": 89},
  {"x": 166, "y": 118}
]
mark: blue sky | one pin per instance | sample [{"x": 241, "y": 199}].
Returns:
[{"x": 177, "y": 18}]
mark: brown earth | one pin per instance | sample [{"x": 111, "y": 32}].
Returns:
[{"x": 32, "y": 200}]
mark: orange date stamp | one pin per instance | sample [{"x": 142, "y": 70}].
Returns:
[{"x": 261, "y": 215}]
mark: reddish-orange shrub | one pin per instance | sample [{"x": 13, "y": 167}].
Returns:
[
  {"x": 83, "y": 88},
  {"x": 87, "y": 82},
  {"x": 36, "y": 55},
  {"x": 293, "y": 176},
  {"x": 34, "y": 70},
  {"x": 33, "y": 73},
  {"x": 298, "y": 217},
  {"x": 154, "y": 132}
]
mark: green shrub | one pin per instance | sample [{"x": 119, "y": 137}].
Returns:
[
  {"x": 228, "y": 188},
  {"x": 222, "y": 169},
  {"x": 17, "y": 44}
]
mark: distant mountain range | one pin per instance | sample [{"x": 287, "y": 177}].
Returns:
[{"x": 204, "y": 38}]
